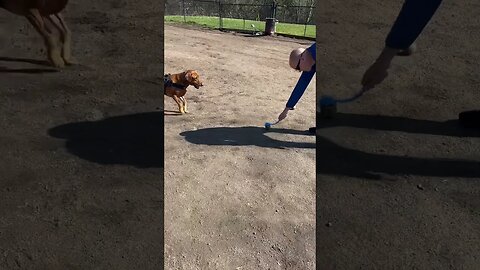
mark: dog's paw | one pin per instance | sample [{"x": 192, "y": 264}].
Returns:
[
  {"x": 56, "y": 59},
  {"x": 58, "y": 63},
  {"x": 70, "y": 61}
]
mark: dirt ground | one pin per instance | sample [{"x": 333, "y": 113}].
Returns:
[
  {"x": 81, "y": 171},
  {"x": 236, "y": 196},
  {"x": 80, "y": 149},
  {"x": 398, "y": 181}
]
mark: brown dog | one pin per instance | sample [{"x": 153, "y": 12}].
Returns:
[
  {"x": 40, "y": 13},
  {"x": 175, "y": 86}
]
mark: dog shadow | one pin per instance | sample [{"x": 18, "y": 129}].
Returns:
[
  {"x": 25, "y": 60},
  {"x": 171, "y": 113},
  {"x": 135, "y": 140},
  {"x": 26, "y": 70},
  {"x": 244, "y": 136},
  {"x": 334, "y": 159}
]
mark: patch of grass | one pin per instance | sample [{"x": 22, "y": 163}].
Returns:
[
  {"x": 214, "y": 22},
  {"x": 296, "y": 29}
]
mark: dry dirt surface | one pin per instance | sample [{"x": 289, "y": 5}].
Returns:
[
  {"x": 398, "y": 181},
  {"x": 237, "y": 196},
  {"x": 81, "y": 161}
]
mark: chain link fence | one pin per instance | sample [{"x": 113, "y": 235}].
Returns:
[{"x": 259, "y": 12}]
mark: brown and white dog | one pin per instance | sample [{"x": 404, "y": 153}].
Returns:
[
  {"x": 175, "y": 86},
  {"x": 41, "y": 13}
]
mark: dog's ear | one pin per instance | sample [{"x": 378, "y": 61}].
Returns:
[
  {"x": 194, "y": 75},
  {"x": 188, "y": 75}
]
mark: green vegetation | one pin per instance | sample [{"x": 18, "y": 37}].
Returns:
[{"x": 214, "y": 22}]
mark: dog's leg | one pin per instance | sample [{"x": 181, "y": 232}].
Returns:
[
  {"x": 184, "y": 103},
  {"x": 179, "y": 103},
  {"x": 53, "y": 51},
  {"x": 66, "y": 36}
]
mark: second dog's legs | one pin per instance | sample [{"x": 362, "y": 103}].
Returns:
[
  {"x": 65, "y": 35},
  {"x": 53, "y": 50}
]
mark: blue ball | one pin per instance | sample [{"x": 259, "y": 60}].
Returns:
[
  {"x": 326, "y": 100},
  {"x": 268, "y": 125}
]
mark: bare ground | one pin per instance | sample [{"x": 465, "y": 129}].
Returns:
[
  {"x": 236, "y": 196},
  {"x": 80, "y": 149},
  {"x": 398, "y": 180},
  {"x": 81, "y": 167}
]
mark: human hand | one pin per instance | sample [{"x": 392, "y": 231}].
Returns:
[
  {"x": 283, "y": 115},
  {"x": 378, "y": 71}
]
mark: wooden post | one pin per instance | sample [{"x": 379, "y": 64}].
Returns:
[{"x": 184, "y": 11}]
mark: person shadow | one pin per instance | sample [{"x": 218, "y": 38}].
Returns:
[
  {"x": 334, "y": 159},
  {"x": 135, "y": 140},
  {"x": 450, "y": 128},
  {"x": 245, "y": 136},
  {"x": 138, "y": 140}
]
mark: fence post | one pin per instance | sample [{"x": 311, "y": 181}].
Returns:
[
  {"x": 305, "y": 30},
  {"x": 274, "y": 10},
  {"x": 220, "y": 24},
  {"x": 184, "y": 11}
]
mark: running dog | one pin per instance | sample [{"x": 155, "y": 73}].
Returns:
[{"x": 175, "y": 86}]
